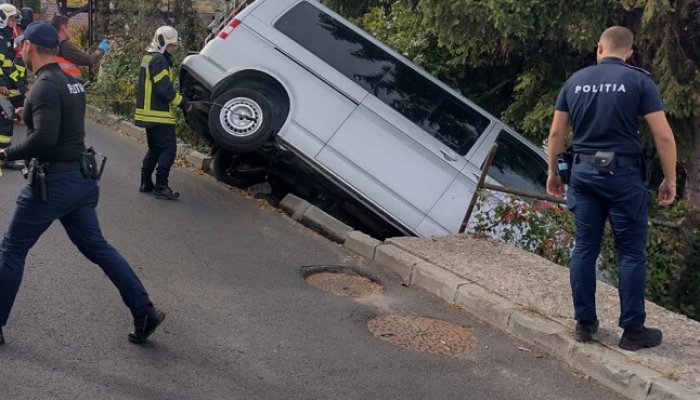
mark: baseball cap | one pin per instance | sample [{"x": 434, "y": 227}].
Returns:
[{"x": 42, "y": 34}]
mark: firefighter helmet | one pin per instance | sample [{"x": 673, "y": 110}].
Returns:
[
  {"x": 7, "y": 11},
  {"x": 164, "y": 36}
]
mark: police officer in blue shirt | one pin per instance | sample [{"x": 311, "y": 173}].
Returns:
[{"x": 603, "y": 103}]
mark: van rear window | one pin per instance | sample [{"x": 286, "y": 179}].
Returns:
[{"x": 398, "y": 85}]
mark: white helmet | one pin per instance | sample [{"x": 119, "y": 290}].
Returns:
[
  {"x": 164, "y": 36},
  {"x": 6, "y": 11}
]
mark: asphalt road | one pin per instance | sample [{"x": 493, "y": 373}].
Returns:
[{"x": 241, "y": 322}]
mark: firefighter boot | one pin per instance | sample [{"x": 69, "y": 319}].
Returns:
[
  {"x": 147, "y": 185},
  {"x": 162, "y": 191}
]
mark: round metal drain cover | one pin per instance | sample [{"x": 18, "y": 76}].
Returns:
[
  {"x": 343, "y": 284},
  {"x": 423, "y": 334}
]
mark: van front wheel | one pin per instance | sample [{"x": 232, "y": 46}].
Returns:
[{"x": 241, "y": 120}]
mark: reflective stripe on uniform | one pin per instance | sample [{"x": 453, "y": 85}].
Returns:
[
  {"x": 162, "y": 74},
  {"x": 5, "y": 62},
  {"x": 5, "y": 139},
  {"x": 69, "y": 67},
  {"x": 148, "y": 85},
  {"x": 145, "y": 115},
  {"x": 177, "y": 100}
]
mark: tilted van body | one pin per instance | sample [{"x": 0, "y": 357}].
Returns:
[{"x": 386, "y": 132}]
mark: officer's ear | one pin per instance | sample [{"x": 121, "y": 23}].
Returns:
[
  {"x": 601, "y": 48},
  {"x": 629, "y": 54}
]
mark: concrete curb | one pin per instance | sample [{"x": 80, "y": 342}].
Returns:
[
  {"x": 195, "y": 158},
  {"x": 313, "y": 217},
  {"x": 607, "y": 366}
]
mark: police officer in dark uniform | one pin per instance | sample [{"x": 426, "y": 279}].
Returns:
[
  {"x": 54, "y": 113},
  {"x": 603, "y": 103}
]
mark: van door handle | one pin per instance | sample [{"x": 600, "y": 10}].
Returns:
[{"x": 447, "y": 156}]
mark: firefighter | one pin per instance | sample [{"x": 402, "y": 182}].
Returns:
[
  {"x": 155, "y": 95},
  {"x": 12, "y": 77}
]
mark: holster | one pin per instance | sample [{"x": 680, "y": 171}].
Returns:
[
  {"x": 89, "y": 164},
  {"x": 565, "y": 163},
  {"x": 604, "y": 162},
  {"x": 36, "y": 178}
]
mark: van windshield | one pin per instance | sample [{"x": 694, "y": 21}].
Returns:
[{"x": 389, "y": 79}]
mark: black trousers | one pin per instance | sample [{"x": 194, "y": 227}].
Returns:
[{"x": 162, "y": 148}]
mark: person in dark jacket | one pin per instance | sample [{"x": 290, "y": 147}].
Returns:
[
  {"x": 54, "y": 113},
  {"x": 71, "y": 57},
  {"x": 155, "y": 95}
]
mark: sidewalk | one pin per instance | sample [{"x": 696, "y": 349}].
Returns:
[{"x": 529, "y": 297}]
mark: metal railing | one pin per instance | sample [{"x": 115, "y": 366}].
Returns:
[{"x": 482, "y": 184}]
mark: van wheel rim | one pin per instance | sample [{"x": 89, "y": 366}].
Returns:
[{"x": 241, "y": 117}]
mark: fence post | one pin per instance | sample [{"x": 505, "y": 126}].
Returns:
[{"x": 479, "y": 185}]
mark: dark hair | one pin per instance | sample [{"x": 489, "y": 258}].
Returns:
[
  {"x": 618, "y": 37},
  {"x": 59, "y": 20}
]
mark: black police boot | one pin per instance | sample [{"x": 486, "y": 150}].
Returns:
[
  {"x": 639, "y": 338},
  {"x": 145, "y": 325},
  {"x": 2, "y": 338},
  {"x": 147, "y": 185},
  {"x": 585, "y": 330},
  {"x": 162, "y": 190}
]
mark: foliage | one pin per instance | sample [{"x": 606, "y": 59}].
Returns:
[
  {"x": 539, "y": 227},
  {"x": 673, "y": 277},
  {"x": 500, "y": 53}
]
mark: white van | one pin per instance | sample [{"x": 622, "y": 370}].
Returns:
[{"x": 390, "y": 135}]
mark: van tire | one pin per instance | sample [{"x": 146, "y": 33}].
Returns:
[
  {"x": 241, "y": 120},
  {"x": 241, "y": 170}
]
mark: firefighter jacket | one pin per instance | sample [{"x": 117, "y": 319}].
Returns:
[
  {"x": 155, "y": 93},
  {"x": 13, "y": 77}
]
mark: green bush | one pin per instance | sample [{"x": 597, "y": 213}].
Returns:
[{"x": 546, "y": 229}]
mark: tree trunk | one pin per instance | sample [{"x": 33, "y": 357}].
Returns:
[{"x": 692, "y": 189}]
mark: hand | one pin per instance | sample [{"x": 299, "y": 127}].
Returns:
[
  {"x": 104, "y": 45},
  {"x": 4, "y": 91},
  {"x": 667, "y": 193},
  {"x": 555, "y": 187}
]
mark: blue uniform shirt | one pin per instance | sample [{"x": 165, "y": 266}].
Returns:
[{"x": 604, "y": 102}]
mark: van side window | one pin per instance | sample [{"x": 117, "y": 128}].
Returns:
[
  {"x": 517, "y": 166},
  {"x": 381, "y": 74}
]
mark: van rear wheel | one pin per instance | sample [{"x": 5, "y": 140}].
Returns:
[{"x": 241, "y": 120}]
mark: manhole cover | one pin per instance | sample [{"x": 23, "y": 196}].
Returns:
[
  {"x": 423, "y": 334},
  {"x": 342, "y": 284}
]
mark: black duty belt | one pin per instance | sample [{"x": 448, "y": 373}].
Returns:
[
  {"x": 621, "y": 161},
  {"x": 61, "y": 166}
]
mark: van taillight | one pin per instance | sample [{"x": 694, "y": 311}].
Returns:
[{"x": 227, "y": 31}]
